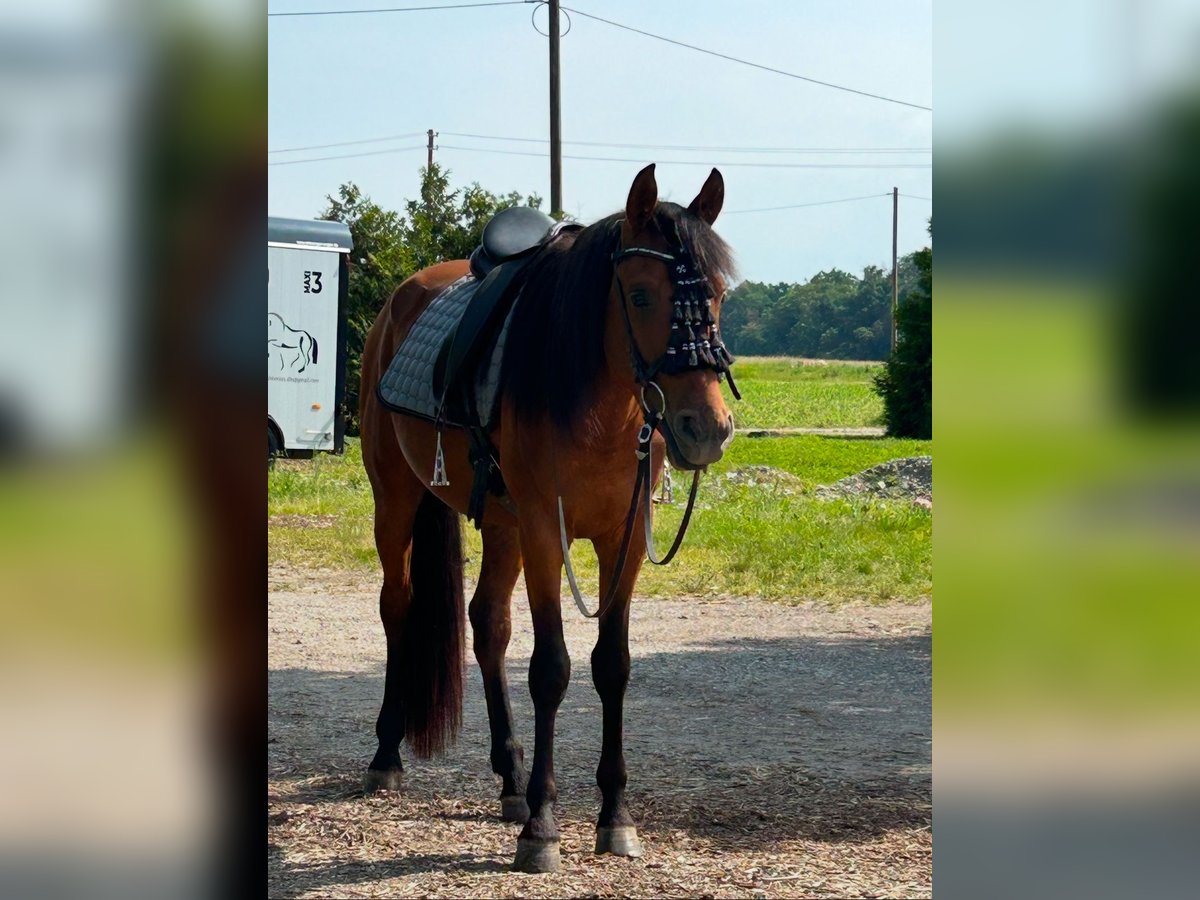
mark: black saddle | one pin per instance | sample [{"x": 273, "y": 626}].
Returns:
[{"x": 511, "y": 234}]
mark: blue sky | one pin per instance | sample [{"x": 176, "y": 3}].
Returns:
[{"x": 484, "y": 71}]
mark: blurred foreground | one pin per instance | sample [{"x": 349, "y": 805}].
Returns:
[
  {"x": 1067, "y": 412},
  {"x": 131, "y": 683}
]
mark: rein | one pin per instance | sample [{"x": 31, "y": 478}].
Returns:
[{"x": 692, "y": 312}]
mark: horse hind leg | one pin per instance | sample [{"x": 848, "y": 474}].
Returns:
[
  {"x": 395, "y": 517},
  {"x": 491, "y": 623},
  {"x": 421, "y": 605}
]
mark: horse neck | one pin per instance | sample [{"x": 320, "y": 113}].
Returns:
[{"x": 615, "y": 409}]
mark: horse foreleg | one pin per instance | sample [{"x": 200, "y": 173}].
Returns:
[
  {"x": 491, "y": 622},
  {"x": 549, "y": 674},
  {"x": 615, "y": 830}
]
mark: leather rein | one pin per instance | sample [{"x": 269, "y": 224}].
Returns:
[{"x": 695, "y": 343}]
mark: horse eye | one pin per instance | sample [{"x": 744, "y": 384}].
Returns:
[{"x": 639, "y": 297}]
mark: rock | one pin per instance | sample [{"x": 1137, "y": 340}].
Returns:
[{"x": 907, "y": 478}]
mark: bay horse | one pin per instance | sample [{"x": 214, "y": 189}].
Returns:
[{"x": 596, "y": 305}]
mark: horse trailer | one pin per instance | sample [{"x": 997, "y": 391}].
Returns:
[{"x": 306, "y": 335}]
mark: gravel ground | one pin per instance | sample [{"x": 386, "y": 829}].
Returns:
[{"x": 773, "y": 751}]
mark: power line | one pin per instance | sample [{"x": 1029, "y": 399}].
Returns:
[
  {"x": 746, "y": 62},
  {"x": 915, "y": 197},
  {"x": 361, "y": 12},
  {"x": 734, "y": 212},
  {"x": 686, "y": 147},
  {"x": 294, "y": 162},
  {"x": 698, "y": 147},
  {"x": 393, "y": 137},
  {"x": 692, "y": 162}
]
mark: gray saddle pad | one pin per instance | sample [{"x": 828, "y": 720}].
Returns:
[{"x": 407, "y": 385}]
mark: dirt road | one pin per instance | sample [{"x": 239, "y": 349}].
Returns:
[{"x": 773, "y": 751}]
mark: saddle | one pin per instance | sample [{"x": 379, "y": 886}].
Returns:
[
  {"x": 447, "y": 369},
  {"x": 512, "y": 233},
  {"x": 508, "y": 243}
]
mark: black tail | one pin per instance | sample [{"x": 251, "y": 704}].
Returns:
[
  {"x": 314, "y": 349},
  {"x": 433, "y": 634}
]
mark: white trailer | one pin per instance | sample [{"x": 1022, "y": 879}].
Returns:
[{"x": 306, "y": 335}]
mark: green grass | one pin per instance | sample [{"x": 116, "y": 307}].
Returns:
[
  {"x": 793, "y": 369},
  {"x": 324, "y": 485},
  {"x": 779, "y": 392},
  {"x": 771, "y": 539},
  {"x": 817, "y": 459}
]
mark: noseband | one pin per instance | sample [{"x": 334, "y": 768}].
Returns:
[{"x": 695, "y": 344}]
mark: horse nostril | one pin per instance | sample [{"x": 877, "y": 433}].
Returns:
[
  {"x": 686, "y": 423},
  {"x": 727, "y": 430}
]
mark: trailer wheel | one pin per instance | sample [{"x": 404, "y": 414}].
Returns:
[{"x": 273, "y": 447}]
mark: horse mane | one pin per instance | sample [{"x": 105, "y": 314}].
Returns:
[{"x": 554, "y": 354}]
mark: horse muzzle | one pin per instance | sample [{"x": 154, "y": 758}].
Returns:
[{"x": 696, "y": 439}]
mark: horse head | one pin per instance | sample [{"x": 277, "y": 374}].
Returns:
[{"x": 669, "y": 282}]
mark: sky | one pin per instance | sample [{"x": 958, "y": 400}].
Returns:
[
  {"x": 484, "y": 71},
  {"x": 1087, "y": 62}
]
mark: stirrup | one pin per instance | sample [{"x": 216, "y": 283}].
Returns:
[
  {"x": 666, "y": 493},
  {"x": 439, "y": 466}
]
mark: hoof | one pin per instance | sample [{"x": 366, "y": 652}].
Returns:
[
  {"x": 536, "y": 857},
  {"x": 383, "y": 780},
  {"x": 513, "y": 808},
  {"x": 620, "y": 840}
]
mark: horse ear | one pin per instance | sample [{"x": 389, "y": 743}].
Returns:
[
  {"x": 643, "y": 197},
  {"x": 711, "y": 198}
]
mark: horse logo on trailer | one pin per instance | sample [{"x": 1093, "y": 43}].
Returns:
[{"x": 295, "y": 348}]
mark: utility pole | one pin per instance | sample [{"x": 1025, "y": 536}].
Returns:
[
  {"x": 555, "y": 124},
  {"x": 429, "y": 147},
  {"x": 895, "y": 270}
]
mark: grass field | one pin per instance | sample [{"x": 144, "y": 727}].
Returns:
[
  {"x": 784, "y": 392},
  {"x": 762, "y": 535}
]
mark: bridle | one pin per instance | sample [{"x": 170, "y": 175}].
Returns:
[
  {"x": 695, "y": 343},
  {"x": 691, "y": 302}
]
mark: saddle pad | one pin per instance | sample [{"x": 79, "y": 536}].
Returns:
[{"x": 407, "y": 385}]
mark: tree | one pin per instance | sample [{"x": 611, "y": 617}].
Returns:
[
  {"x": 906, "y": 382},
  {"x": 834, "y": 315},
  {"x": 388, "y": 247},
  {"x": 745, "y": 314},
  {"x": 376, "y": 266},
  {"x": 445, "y": 224}
]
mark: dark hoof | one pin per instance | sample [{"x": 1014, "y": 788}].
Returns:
[
  {"x": 513, "y": 808},
  {"x": 620, "y": 840},
  {"x": 536, "y": 857},
  {"x": 383, "y": 780}
]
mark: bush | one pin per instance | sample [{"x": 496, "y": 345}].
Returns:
[{"x": 906, "y": 382}]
